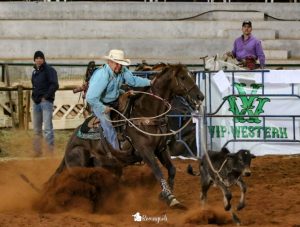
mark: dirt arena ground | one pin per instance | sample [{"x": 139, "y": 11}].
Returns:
[{"x": 272, "y": 199}]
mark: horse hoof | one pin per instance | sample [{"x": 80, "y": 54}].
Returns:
[
  {"x": 236, "y": 219},
  {"x": 175, "y": 204}
]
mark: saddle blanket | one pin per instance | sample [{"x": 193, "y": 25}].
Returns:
[
  {"x": 91, "y": 135},
  {"x": 90, "y": 129}
]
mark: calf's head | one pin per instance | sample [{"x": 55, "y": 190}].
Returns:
[{"x": 241, "y": 162}]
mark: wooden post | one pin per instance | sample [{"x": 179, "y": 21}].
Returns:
[
  {"x": 3, "y": 66},
  {"x": 20, "y": 107},
  {"x": 27, "y": 110},
  {"x": 12, "y": 114}
]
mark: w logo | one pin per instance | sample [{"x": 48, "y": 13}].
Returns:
[{"x": 247, "y": 106}]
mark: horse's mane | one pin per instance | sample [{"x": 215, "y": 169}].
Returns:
[
  {"x": 144, "y": 66},
  {"x": 160, "y": 67},
  {"x": 173, "y": 67}
]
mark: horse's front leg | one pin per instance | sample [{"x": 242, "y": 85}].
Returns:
[
  {"x": 165, "y": 159},
  {"x": 149, "y": 158}
]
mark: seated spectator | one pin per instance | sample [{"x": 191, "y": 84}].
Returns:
[{"x": 247, "y": 49}]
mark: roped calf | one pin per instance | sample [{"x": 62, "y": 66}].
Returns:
[{"x": 224, "y": 169}]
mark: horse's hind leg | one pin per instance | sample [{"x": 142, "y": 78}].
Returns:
[
  {"x": 77, "y": 157},
  {"x": 165, "y": 159}
]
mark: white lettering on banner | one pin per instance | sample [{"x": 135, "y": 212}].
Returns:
[
  {"x": 248, "y": 132},
  {"x": 247, "y": 107}
]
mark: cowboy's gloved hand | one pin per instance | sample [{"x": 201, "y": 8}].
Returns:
[
  {"x": 130, "y": 93},
  {"x": 107, "y": 109}
]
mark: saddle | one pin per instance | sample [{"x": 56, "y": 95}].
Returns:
[{"x": 91, "y": 128}]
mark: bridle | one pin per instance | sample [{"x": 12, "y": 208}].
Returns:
[{"x": 186, "y": 90}]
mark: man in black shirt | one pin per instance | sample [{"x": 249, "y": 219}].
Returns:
[{"x": 44, "y": 85}]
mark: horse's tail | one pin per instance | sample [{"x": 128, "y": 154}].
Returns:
[
  {"x": 32, "y": 185},
  {"x": 62, "y": 164},
  {"x": 191, "y": 171}
]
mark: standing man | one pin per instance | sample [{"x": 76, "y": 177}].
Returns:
[
  {"x": 247, "y": 49},
  {"x": 104, "y": 90},
  {"x": 44, "y": 85}
]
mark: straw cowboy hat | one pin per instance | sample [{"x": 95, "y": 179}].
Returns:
[{"x": 118, "y": 57}]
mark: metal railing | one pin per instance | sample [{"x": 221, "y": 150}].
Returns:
[
  {"x": 211, "y": 114},
  {"x": 209, "y": 1}
]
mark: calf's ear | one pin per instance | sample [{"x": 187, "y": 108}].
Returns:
[
  {"x": 225, "y": 150},
  {"x": 253, "y": 156}
]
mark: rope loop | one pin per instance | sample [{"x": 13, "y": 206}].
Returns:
[{"x": 129, "y": 120}]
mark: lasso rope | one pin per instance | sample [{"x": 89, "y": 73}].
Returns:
[
  {"x": 216, "y": 172},
  {"x": 129, "y": 120},
  {"x": 169, "y": 107},
  {"x": 153, "y": 134}
]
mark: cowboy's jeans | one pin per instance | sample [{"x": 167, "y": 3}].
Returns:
[
  {"x": 109, "y": 131},
  {"x": 42, "y": 115}
]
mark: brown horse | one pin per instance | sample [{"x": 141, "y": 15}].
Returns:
[
  {"x": 172, "y": 80},
  {"x": 179, "y": 107}
]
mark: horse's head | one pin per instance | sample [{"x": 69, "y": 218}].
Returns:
[{"x": 179, "y": 81}]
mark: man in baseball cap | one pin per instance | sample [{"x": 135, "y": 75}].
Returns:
[
  {"x": 247, "y": 22},
  {"x": 44, "y": 85},
  {"x": 247, "y": 49}
]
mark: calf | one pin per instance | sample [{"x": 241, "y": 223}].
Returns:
[{"x": 224, "y": 170}]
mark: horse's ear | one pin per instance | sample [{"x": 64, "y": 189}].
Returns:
[
  {"x": 165, "y": 69},
  {"x": 165, "y": 74},
  {"x": 176, "y": 70}
]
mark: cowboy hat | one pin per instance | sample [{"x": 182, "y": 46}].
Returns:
[{"x": 118, "y": 57}]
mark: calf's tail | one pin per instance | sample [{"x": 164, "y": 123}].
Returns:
[{"x": 191, "y": 171}]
